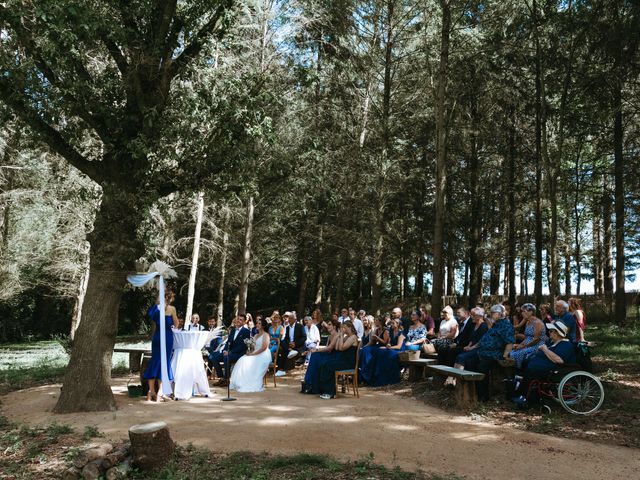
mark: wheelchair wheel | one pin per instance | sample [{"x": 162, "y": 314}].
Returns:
[{"x": 580, "y": 393}]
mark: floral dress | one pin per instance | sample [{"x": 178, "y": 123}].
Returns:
[
  {"x": 529, "y": 333},
  {"x": 414, "y": 334}
]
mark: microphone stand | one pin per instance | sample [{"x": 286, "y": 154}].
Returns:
[{"x": 229, "y": 397}]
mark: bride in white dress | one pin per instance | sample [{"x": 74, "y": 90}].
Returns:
[{"x": 248, "y": 373}]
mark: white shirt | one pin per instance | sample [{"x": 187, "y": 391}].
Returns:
[
  {"x": 194, "y": 327},
  {"x": 313, "y": 336},
  {"x": 357, "y": 323},
  {"x": 343, "y": 319},
  {"x": 446, "y": 326}
]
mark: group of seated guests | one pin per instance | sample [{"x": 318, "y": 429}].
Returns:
[{"x": 466, "y": 339}]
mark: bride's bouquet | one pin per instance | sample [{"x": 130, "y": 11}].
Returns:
[{"x": 250, "y": 343}]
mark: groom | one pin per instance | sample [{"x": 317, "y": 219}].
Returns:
[
  {"x": 292, "y": 344},
  {"x": 233, "y": 350}
]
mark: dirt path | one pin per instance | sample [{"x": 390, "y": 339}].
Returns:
[{"x": 397, "y": 430}]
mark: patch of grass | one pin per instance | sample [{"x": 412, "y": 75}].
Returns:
[
  {"x": 196, "y": 463},
  {"x": 91, "y": 431},
  {"x": 55, "y": 429}
]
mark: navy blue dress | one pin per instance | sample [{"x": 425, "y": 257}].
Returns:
[
  {"x": 312, "y": 376},
  {"x": 154, "y": 368},
  {"x": 387, "y": 363},
  {"x": 344, "y": 360},
  {"x": 367, "y": 362}
]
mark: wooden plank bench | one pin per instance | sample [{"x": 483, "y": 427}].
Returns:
[
  {"x": 135, "y": 356},
  {"x": 465, "y": 391},
  {"x": 416, "y": 367}
]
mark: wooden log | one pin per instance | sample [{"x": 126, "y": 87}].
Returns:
[
  {"x": 151, "y": 445},
  {"x": 92, "y": 454},
  {"x": 118, "y": 472}
]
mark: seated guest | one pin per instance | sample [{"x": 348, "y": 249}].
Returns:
[
  {"x": 562, "y": 315},
  {"x": 211, "y": 323},
  {"x": 479, "y": 329},
  {"x": 416, "y": 333},
  {"x": 194, "y": 325},
  {"x": 368, "y": 330},
  {"x": 292, "y": 344},
  {"x": 234, "y": 349},
  {"x": 575, "y": 308},
  {"x": 448, "y": 330},
  {"x": 428, "y": 321},
  {"x": 347, "y": 347},
  {"x": 379, "y": 337},
  {"x": 508, "y": 310},
  {"x": 534, "y": 335},
  {"x": 472, "y": 328},
  {"x": 313, "y": 335},
  {"x": 518, "y": 321},
  {"x": 545, "y": 313},
  {"x": 357, "y": 323},
  {"x": 495, "y": 344},
  {"x": 276, "y": 332},
  {"x": 385, "y": 363},
  {"x": 319, "y": 356},
  {"x": 251, "y": 325},
  {"x": 560, "y": 352}
]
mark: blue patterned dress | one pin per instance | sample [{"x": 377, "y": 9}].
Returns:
[
  {"x": 529, "y": 333},
  {"x": 154, "y": 368}
]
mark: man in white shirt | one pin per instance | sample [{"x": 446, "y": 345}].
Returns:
[
  {"x": 344, "y": 315},
  {"x": 195, "y": 324},
  {"x": 357, "y": 323}
]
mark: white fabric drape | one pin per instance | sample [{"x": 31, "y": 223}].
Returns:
[{"x": 138, "y": 280}]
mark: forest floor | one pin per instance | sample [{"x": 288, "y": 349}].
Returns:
[
  {"x": 410, "y": 427},
  {"x": 616, "y": 361},
  {"x": 386, "y": 427}
]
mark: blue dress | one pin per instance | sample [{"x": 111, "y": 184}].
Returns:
[
  {"x": 386, "y": 369},
  {"x": 312, "y": 376},
  {"x": 344, "y": 360},
  {"x": 367, "y": 361},
  {"x": 154, "y": 368},
  {"x": 521, "y": 355}
]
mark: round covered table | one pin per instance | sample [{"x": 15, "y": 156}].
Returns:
[{"x": 187, "y": 365}]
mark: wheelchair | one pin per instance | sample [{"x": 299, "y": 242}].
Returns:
[{"x": 578, "y": 391}]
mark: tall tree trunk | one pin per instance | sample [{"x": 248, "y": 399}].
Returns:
[
  {"x": 321, "y": 268},
  {"x": 245, "y": 270},
  {"x": 196, "y": 255},
  {"x": 441, "y": 157},
  {"x": 567, "y": 275},
  {"x": 451, "y": 277},
  {"x": 76, "y": 315},
  {"x": 523, "y": 275},
  {"x": 342, "y": 276},
  {"x": 618, "y": 140},
  {"x": 420, "y": 276},
  {"x": 114, "y": 251},
  {"x": 511, "y": 217},
  {"x": 577, "y": 252},
  {"x": 494, "y": 279},
  {"x": 537, "y": 289},
  {"x": 598, "y": 276},
  {"x": 223, "y": 270},
  {"x": 608, "y": 243},
  {"x": 465, "y": 290},
  {"x": 376, "y": 284}
]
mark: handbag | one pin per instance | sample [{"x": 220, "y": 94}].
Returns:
[{"x": 428, "y": 348}]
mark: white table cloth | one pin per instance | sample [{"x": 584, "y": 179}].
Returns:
[{"x": 188, "y": 368}]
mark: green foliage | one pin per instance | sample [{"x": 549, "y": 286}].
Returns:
[{"x": 91, "y": 431}]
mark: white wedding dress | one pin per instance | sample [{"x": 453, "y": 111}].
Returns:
[{"x": 248, "y": 373}]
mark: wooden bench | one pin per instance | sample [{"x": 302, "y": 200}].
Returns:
[
  {"x": 135, "y": 356},
  {"x": 465, "y": 391},
  {"x": 416, "y": 367}
]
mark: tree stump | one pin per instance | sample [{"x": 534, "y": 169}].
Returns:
[{"x": 151, "y": 445}]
